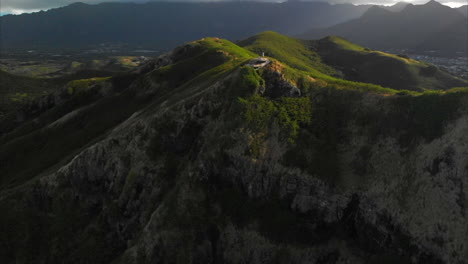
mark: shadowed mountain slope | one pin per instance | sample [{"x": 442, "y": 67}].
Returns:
[
  {"x": 15, "y": 89},
  {"x": 416, "y": 27},
  {"x": 162, "y": 25}
]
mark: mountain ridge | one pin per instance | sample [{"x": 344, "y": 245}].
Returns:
[
  {"x": 331, "y": 55},
  {"x": 197, "y": 157},
  {"x": 397, "y": 7},
  {"x": 145, "y": 24},
  {"x": 411, "y": 28}
]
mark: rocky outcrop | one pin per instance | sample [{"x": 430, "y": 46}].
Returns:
[{"x": 277, "y": 84}]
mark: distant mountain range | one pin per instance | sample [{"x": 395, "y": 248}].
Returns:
[
  {"x": 428, "y": 27},
  {"x": 163, "y": 25},
  {"x": 396, "y": 7}
]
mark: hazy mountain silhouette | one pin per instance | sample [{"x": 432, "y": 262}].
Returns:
[
  {"x": 396, "y": 7},
  {"x": 163, "y": 25},
  {"x": 429, "y": 26}
]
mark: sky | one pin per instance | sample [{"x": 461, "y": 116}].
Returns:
[{"x": 29, "y": 6}]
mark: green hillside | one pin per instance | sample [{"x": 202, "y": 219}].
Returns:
[
  {"x": 201, "y": 60},
  {"x": 296, "y": 53},
  {"x": 193, "y": 67},
  {"x": 335, "y": 56},
  {"x": 389, "y": 70},
  {"x": 332, "y": 60}
]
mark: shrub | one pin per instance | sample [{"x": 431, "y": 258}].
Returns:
[
  {"x": 78, "y": 86},
  {"x": 289, "y": 113}
]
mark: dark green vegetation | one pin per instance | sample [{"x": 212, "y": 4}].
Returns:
[
  {"x": 81, "y": 86},
  {"x": 21, "y": 148},
  {"x": 15, "y": 90},
  {"x": 416, "y": 28},
  {"x": 412, "y": 120},
  {"x": 288, "y": 113},
  {"x": 197, "y": 157}
]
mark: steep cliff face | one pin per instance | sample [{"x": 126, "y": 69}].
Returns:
[{"x": 227, "y": 164}]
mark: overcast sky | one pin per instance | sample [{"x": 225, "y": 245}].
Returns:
[{"x": 27, "y": 6}]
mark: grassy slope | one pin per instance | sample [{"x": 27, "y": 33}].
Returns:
[
  {"x": 301, "y": 61},
  {"x": 293, "y": 52},
  {"x": 389, "y": 70},
  {"x": 323, "y": 58},
  {"x": 298, "y": 60},
  {"x": 202, "y": 63}
]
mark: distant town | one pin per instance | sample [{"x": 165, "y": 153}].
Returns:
[{"x": 455, "y": 65}]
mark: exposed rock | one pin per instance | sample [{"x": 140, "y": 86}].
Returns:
[{"x": 277, "y": 84}]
